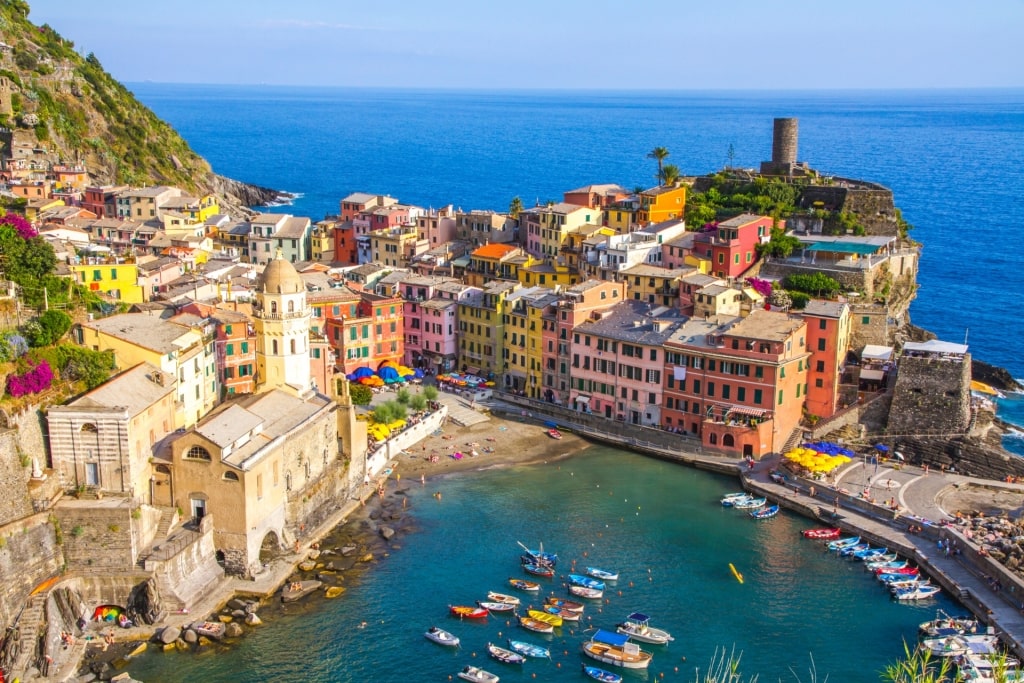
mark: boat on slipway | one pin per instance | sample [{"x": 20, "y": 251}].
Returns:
[{"x": 615, "y": 649}]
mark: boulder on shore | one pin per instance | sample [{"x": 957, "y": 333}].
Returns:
[
  {"x": 386, "y": 532},
  {"x": 233, "y": 630},
  {"x": 169, "y": 634}
]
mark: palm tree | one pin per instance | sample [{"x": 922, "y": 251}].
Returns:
[
  {"x": 659, "y": 154},
  {"x": 669, "y": 175},
  {"x": 515, "y": 207}
]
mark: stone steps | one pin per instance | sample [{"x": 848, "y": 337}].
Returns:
[{"x": 30, "y": 623}]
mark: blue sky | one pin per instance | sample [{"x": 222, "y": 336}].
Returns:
[{"x": 638, "y": 44}]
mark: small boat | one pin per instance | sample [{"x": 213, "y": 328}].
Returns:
[
  {"x": 849, "y": 550},
  {"x": 909, "y": 571},
  {"x": 441, "y": 637},
  {"x": 765, "y": 513},
  {"x": 918, "y": 592},
  {"x": 531, "y": 624},
  {"x": 729, "y": 499},
  {"x": 564, "y": 614},
  {"x": 210, "y": 629},
  {"x": 502, "y": 597},
  {"x": 750, "y": 504},
  {"x": 885, "y": 564},
  {"x": 467, "y": 612},
  {"x": 504, "y": 656},
  {"x": 943, "y": 621},
  {"x": 602, "y": 574},
  {"x": 601, "y": 675},
  {"x": 539, "y": 556},
  {"x": 474, "y": 673},
  {"x": 734, "y": 502},
  {"x": 584, "y": 592},
  {"x": 298, "y": 589},
  {"x": 636, "y": 626},
  {"x": 827, "y": 534},
  {"x": 554, "y": 433},
  {"x": 528, "y": 649},
  {"x": 523, "y": 584},
  {"x": 496, "y": 606},
  {"x": 983, "y": 667},
  {"x": 531, "y": 559},
  {"x": 841, "y": 543},
  {"x": 539, "y": 570},
  {"x": 615, "y": 649},
  {"x": 586, "y": 581},
  {"x": 564, "y": 604},
  {"x": 957, "y": 644},
  {"x": 906, "y": 582},
  {"x": 869, "y": 554},
  {"x": 546, "y": 617},
  {"x": 895, "y": 578}
]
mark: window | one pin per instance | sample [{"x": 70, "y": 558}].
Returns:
[
  {"x": 316, "y": 353},
  {"x": 866, "y": 320},
  {"x": 230, "y": 350},
  {"x": 230, "y": 476},
  {"x": 245, "y": 347},
  {"x": 198, "y": 453},
  {"x": 273, "y": 347},
  {"x": 780, "y": 397},
  {"x": 757, "y": 397},
  {"x": 726, "y": 391},
  {"x": 819, "y": 383},
  {"x": 822, "y": 324},
  {"x": 113, "y": 273},
  {"x": 696, "y": 386},
  {"x": 711, "y": 389},
  {"x": 758, "y": 372},
  {"x": 259, "y": 486},
  {"x": 741, "y": 394},
  {"x": 227, "y": 329},
  {"x": 821, "y": 344},
  {"x": 819, "y": 366},
  {"x": 293, "y": 350},
  {"x": 782, "y": 372}
]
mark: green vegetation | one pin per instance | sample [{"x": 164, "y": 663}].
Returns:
[
  {"x": 47, "y": 329},
  {"x": 361, "y": 395},
  {"x": 77, "y": 364},
  {"x": 403, "y": 396},
  {"x": 430, "y": 392},
  {"x": 659, "y": 154},
  {"x": 779, "y": 245},
  {"x": 729, "y": 196},
  {"x": 818, "y": 284},
  {"x": 389, "y": 412},
  {"x": 418, "y": 403}
]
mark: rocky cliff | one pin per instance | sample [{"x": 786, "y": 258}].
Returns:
[{"x": 61, "y": 107}]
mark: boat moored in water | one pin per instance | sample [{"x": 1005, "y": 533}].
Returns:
[
  {"x": 602, "y": 574},
  {"x": 601, "y": 675},
  {"x": 585, "y": 592},
  {"x": 441, "y": 637},
  {"x": 523, "y": 584},
  {"x": 496, "y": 606},
  {"x": 475, "y": 673},
  {"x": 467, "y": 612},
  {"x": 944, "y": 621},
  {"x": 546, "y": 617},
  {"x": 765, "y": 513},
  {"x": 636, "y": 627},
  {"x": 615, "y": 649},
  {"x": 535, "y": 625},
  {"x": 586, "y": 581},
  {"x": 504, "y": 656},
  {"x": 750, "y": 504},
  {"x": 494, "y": 596},
  {"x": 565, "y": 604},
  {"x": 841, "y": 543},
  {"x": 529, "y": 649},
  {"x": 539, "y": 570},
  {"x": 826, "y": 534}
]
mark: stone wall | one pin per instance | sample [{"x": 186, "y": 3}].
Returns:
[
  {"x": 189, "y": 574},
  {"x": 850, "y": 279},
  {"x": 15, "y": 502},
  {"x": 967, "y": 456},
  {"x": 932, "y": 396},
  {"x": 869, "y": 324},
  {"x": 29, "y": 554},
  {"x": 382, "y": 455},
  {"x": 97, "y": 537}
]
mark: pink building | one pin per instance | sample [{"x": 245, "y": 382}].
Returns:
[
  {"x": 599, "y": 196},
  {"x": 431, "y": 320},
  {"x": 358, "y": 202},
  {"x": 437, "y": 227},
  {"x": 731, "y": 247},
  {"x": 618, "y": 362}
]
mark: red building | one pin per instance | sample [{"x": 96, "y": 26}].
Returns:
[
  {"x": 731, "y": 247},
  {"x": 102, "y": 200},
  {"x": 370, "y": 332},
  {"x": 599, "y": 196},
  {"x": 235, "y": 346},
  {"x": 828, "y": 340},
  {"x": 737, "y": 383}
]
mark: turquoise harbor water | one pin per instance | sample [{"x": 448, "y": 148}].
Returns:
[{"x": 661, "y": 527}]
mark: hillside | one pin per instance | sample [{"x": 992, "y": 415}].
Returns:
[{"x": 55, "y": 100}]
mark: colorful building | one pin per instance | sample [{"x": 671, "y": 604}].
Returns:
[
  {"x": 662, "y": 204},
  {"x": 495, "y": 262},
  {"x": 599, "y": 196},
  {"x": 652, "y": 284},
  {"x": 119, "y": 281},
  {"x": 546, "y": 227},
  {"x": 732, "y": 246},
  {"x": 828, "y": 340},
  {"x": 482, "y": 328},
  {"x": 523, "y": 351}
]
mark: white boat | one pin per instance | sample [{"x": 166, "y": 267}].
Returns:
[
  {"x": 921, "y": 591},
  {"x": 475, "y": 673},
  {"x": 441, "y": 637},
  {"x": 602, "y": 574},
  {"x": 943, "y": 623},
  {"x": 494, "y": 596},
  {"x": 496, "y": 606},
  {"x": 637, "y": 628},
  {"x": 504, "y": 655},
  {"x": 983, "y": 667},
  {"x": 909, "y": 583},
  {"x": 843, "y": 542},
  {"x": 584, "y": 592},
  {"x": 750, "y": 504},
  {"x": 960, "y": 644},
  {"x": 615, "y": 649},
  {"x": 731, "y": 499}
]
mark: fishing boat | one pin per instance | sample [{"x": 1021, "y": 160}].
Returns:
[
  {"x": 615, "y": 649},
  {"x": 584, "y": 592},
  {"x": 881, "y": 561},
  {"x": 585, "y": 581},
  {"x": 944, "y": 621},
  {"x": 984, "y": 667},
  {"x": 554, "y": 433},
  {"x": 636, "y": 626},
  {"x": 849, "y": 550},
  {"x": 504, "y": 656},
  {"x": 731, "y": 499},
  {"x": 870, "y": 553},
  {"x": 918, "y": 592},
  {"x": 540, "y": 556},
  {"x": 601, "y": 675},
  {"x": 539, "y": 570},
  {"x": 441, "y": 637},
  {"x": 896, "y": 578},
  {"x": 502, "y": 597},
  {"x": 565, "y": 604},
  {"x": 909, "y": 571},
  {"x": 528, "y": 649},
  {"x": 526, "y": 558},
  {"x": 467, "y": 612},
  {"x": 474, "y": 673},
  {"x": 565, "y": 614},
  {"x": 841, "y": 543},
  {"x": 546, "y": 617},
  {"x": 958, "y": 644},
  {"x": 535, "y": 625},
  {"x": 826, "y": 534},
  {"x": 750, "y": 504},
  {"x": 908, "y": 583},
  {"x": 298, "y": 589},
  {"x": 602, "y": 574},
  {"x": 523, "y": 584},
  {"x": 886, "y": 564},
  {"x": 765, "y": 513},
  {"x": 496, "y": 606}
]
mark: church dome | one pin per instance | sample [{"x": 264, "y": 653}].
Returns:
[{"x": 280, "y": 277}]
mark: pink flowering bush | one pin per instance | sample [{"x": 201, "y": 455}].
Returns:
[
  {"x": 762, "y": 287},
  {"x": 20, "y": 225},
  {"x": 37, "y": 378}
]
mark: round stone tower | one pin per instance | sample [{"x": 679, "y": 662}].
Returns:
[
  {"x": 281, "y": 320},
  {"x": 784, "y": 139}
]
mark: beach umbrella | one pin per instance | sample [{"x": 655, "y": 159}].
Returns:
[{"x": 418, "y": 373}]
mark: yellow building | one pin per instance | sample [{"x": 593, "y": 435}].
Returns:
[
  {"x": 662, "y": 204},
  {"x": 572, "y": 246},
  {"x": 622, "y": 216},
  {"x": 321, "y": 241},
  {"x": 198, "y": 209},
  {"x": 184, "y": 352},
  {"x": 524, "y": 339},
  {"x": 396, "y": 246},
  {"x": 546, "y": 227},
  {"x": 653, "y": 284},
  {"x": 117, "y": 280},
  {"x": 496, "y": 262},
  {"x": 34, "y": 207},
  {"x": 482, "y": 328},
  {"x": 548, "y": 274}
]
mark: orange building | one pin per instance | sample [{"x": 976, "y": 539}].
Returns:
[
  {"x": 828, "y": 340},
  {"x": 370, "y": 331},
  {"x": 662, "y": 203}
]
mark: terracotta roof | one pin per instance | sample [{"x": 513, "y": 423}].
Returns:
[{"x": 495, "y": 251}]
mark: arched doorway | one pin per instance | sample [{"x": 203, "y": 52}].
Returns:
[
  {"x": 162, "y": 494},
  {"x": 271, "y": 547},
  {"x": 728, "y": 441}
]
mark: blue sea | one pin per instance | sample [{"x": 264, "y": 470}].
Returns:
[
  {"x": 661, "y": 527},
  {"x": 953, "y": 158}
]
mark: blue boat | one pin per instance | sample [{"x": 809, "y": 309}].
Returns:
[
  {"x": 528, "y": 649},
  {"x": 765, "y": 513},
  {"x": 601, "y": 675},
  {"x": 602, "y": 574},
  {"x": 586, "y": 582},
  {"x": 870, "y": 553},
  {"x": 843, "y": 542},
  {"x": 851, "y": 549}
]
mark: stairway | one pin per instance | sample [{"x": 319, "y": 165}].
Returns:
[
  {"x": 793, "y": 441},
  {"x": 30, "y": 623},
  {"x": 167, "y": 520}
]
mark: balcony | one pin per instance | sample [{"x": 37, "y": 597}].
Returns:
[{"x": 279, "y": 316}]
